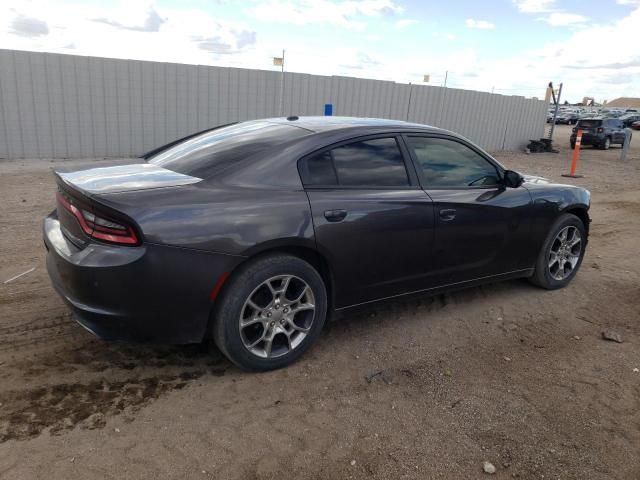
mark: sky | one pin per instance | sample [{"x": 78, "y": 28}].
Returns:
[{"x": 513, "y": 47}]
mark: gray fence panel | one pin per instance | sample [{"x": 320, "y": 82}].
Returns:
[{"x": 66, "y": 106}]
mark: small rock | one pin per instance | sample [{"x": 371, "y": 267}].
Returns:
[
  {"x": 489, "y": 468},
  {"x": 611, "y": 335},
  {"x": 447, "y": 372},
  {"x": 117, "y": 430},
  {"x": 96, "y": 420},
  {"x": 635, "y": 370},
  {"x": 507, "y": 359},
  {"x": 372, "y": 375},
  {"x": 353, "y": 463},
  {"x": 576, "y": 337},
  {"x": 72, "y": 459}
]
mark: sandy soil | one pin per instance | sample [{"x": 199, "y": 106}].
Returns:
[{"x": 418, "y": 388}]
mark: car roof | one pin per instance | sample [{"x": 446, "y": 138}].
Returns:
[{"x": 318, "y": 124}]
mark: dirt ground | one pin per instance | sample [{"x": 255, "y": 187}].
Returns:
[{"x": 419, "y": 388}]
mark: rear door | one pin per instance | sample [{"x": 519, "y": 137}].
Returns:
[
  {"x": 481, "y": 226},
  {"x": 372, "y": 220}
]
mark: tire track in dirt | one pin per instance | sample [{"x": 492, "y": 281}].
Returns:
[{"x": 26, "y": 413}]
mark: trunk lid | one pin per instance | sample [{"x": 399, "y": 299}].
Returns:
[
  {"x": 78, "y": 204},
  {"x": 124, "y": 178}
]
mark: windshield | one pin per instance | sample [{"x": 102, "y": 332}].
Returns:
[{"x": 210, "y": 153}]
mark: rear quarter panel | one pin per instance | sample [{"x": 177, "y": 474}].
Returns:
[{"x": 226, "y": 219}]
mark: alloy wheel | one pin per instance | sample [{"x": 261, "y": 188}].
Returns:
[
  {"x": 564, "y": 252},
  {"x": 277, "y": 316}
]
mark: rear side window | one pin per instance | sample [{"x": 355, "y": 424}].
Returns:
[
  {"x": 590, "y": 123},
  {"x": 211, "y": 153},
  {"x": 368, "y": 163}
]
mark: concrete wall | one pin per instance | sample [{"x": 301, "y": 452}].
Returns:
[{"x": 67, "y": 106}]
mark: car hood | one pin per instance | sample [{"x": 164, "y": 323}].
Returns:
[
  {"x": 534, "y": 179},
  {"x": 124, "y": 178}
]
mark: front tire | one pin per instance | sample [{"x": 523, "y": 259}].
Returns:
[
  {"x": 562, "y": 252},
  {"x": 270, "y": 312}
]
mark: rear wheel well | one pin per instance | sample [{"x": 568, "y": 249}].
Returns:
[{"x": 309, "y": 255}]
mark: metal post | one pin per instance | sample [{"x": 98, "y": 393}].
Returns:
[
  {"x": 446, "y": 74},
  {"x": 282, "y": 87},
  {"x": 625, "y": 145},
  {"x": 555, "y": 112},
  {"x": 409, "y": 102}
]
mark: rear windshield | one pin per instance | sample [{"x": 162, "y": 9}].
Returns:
[
  {"x": 210, "y": 153},
  {"x": 590, "y": 123}
]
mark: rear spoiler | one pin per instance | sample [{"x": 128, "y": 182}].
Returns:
[{"x": 155, "y": 151}]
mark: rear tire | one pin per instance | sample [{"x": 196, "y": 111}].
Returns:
[
  {"x": 606, "y": 143},
  {"x": 558, "y": 262},
  {"x": 269, "y": 312}
]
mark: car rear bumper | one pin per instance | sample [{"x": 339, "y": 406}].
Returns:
[
  {"x": 589, "y": 139},
  {"x": 147, "y": 293}
]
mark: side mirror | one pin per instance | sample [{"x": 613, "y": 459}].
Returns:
[{"x": 512, "y": 179}]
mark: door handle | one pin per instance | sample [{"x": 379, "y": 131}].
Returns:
[
  {"x": 448, "y": 214},
  {"x": 335, "y": 215}
]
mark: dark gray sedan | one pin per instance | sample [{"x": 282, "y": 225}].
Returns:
[{"x": 252, "y": 233}]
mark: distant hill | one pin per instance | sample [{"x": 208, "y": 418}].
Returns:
[{"x": 628, "y": 102}]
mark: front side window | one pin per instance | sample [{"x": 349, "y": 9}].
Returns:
[
  {"x": 447, "y": 163},
  {"x": 368, "y": 163}
]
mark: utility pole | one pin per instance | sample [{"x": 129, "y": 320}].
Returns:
[
  {"x": 555, "y": 112},
  {"x": 446, "y": 74}
]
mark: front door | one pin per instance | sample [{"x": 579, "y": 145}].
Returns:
[
  {"x": 481, "y": 225},
  {"x": 372, "y": 221}
]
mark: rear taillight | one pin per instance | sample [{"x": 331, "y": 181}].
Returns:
[
  {"x": 600, "y": 130},
  {"x": 99, "y": 227}
]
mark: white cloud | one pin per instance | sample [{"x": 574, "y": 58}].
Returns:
[
  {"x": 480, "y": 24},
  {"x": 405, "y": 22},
  {"x": 553, "y": 16},
  {"x": 560, "y": 19},
  {"x": 29, "y": 27},
  {"x": 632, "y": 3},
  {"x": 122, "y": 29},
  {"x": 348, "y": 14},
  {"x": 597, "y": 71},
  {"x": 534, "y": 6}
]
